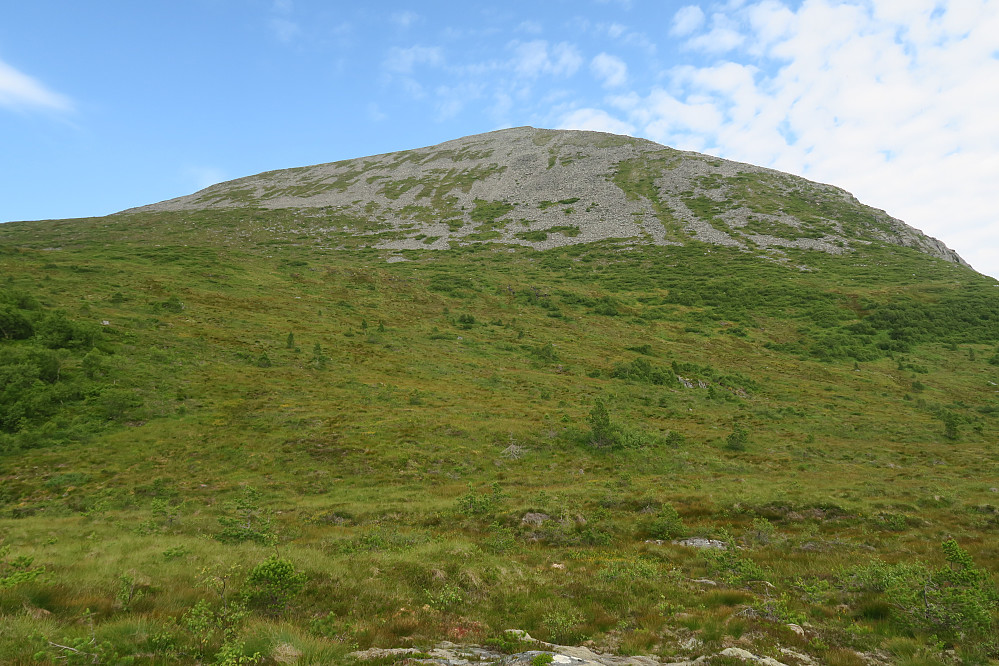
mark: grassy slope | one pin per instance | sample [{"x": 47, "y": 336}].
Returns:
[{"x": 382, "y": 458}]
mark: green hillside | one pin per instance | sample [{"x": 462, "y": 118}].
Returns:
[{"x": 235, "y": 431}]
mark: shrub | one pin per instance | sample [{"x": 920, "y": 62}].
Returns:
[
  {"x": 667, "y": 524},
  {"x": 737, "y": 439},
  {"x": 246, "y": 521},
  {"x": 475, "y": 504},
  {"x": 17, "y": 570},
  {"x": 274, "y": 583},
  {"x": 601, "y": 431},
  {"x": 563, "y": 626},
  {"x": 952, "y": 601},
  {"x": 14, "y": 325}
]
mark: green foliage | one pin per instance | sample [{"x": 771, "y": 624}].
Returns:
[
  {"x": 13, "y": 324},
  {"x": 274, "y": 583},
  {"x": 87, "y": 649},
  {"x": 447, "y": 597},
  {"x": 733, "y": 566},
  {"x": 319, "y": 357},
  {"x": 667, "y": 524},
  {"x": 56, "y": 330},
  {"x": 246, "y": 520},
  {"x": 953, "y": 601},
  {"x": 951, "y": 422},
  {"x": 546, "y": 353},
  {"x": 534, "y": 236},
  {"x": 563, "y": 626},
  {"x": 16, "y": 570},
  {"x": 642, "y": 371},
  {"x": 130, "y": 590},
  {"x": 737, "y": 439},
  {"x": 93, "y": 364},
  {"x": 602, "y": 432},
  {"x": 487, "y": 212},
  {"x": 510, "y": 642},
  {"x": 479, "y": 504}
]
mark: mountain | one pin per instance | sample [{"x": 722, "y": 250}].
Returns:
[
  {"x": 615, "y": 395},
  {"x": 547, "y": 188}
]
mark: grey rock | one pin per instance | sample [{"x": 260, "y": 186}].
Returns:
[
  {"x": 536, "y": 519},
  {"x": 701, "y": 542}
]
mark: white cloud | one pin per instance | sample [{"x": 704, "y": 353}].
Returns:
[
  {"x": 719, "y": 40},
  {"x": 615, "y": 30},
  {"x": 20, "y": 91},
  {"x": 687, "y": 20},
  {"x": 404, "y": 19},
  {"x": 534, "y": 58},
  {"x": 893, "y": 100},
  {"x": 629, "y": 37},
  {"x": 403, "y": 61},
  {"x": 611, "y": 70},
  {"x": 595, "y": 120}
]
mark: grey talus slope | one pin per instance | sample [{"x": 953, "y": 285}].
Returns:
[{"x": 546, "y": 188}]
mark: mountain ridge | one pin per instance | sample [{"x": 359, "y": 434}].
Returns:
[{"x": 548, "y": 188}]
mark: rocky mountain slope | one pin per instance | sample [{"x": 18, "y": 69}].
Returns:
[
  {"x": 277, "y": 422},
  {"x": 547, "y": 188}
]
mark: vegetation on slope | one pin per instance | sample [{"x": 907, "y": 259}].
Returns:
[{"x": 225, "y": 441}]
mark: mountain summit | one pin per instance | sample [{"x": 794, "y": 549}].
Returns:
[{"x": 546, "y": 188}]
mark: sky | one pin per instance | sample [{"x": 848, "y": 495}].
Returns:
[{"x": 112, "y": 104}]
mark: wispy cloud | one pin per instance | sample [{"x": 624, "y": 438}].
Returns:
[
  {"x": 687, "y": 20},
  {"x": 22, "y": 92},
  {"x": 404, "y": 19},
  {"x": 611, "y": 70},
  {"x": 894, "y": 101},
  {"x": 595, "y": 120},
  {"x": 404, "y": 60},
  {"x": 284, "y": 29},
  {"x": 537, "y": 57}
]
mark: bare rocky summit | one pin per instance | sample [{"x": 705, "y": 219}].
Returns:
[{"x": 546, "y": 188}]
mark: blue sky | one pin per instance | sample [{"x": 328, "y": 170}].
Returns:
[{"x": 111, "y": 104}]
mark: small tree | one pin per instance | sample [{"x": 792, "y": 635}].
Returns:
[
  {"x": 93, "y": 363},
  {"x": 667, "y": 524},
  {"x": 601, "y": 430},
  {"x": 319, "y": 359},
  {"x": 247, "y": 520},
  {"x": 290, "y": 342},
  {"x": 274, "y": 584},
  {"x": 951, "y": 422},
  {"x": 737, "y": 439}
]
